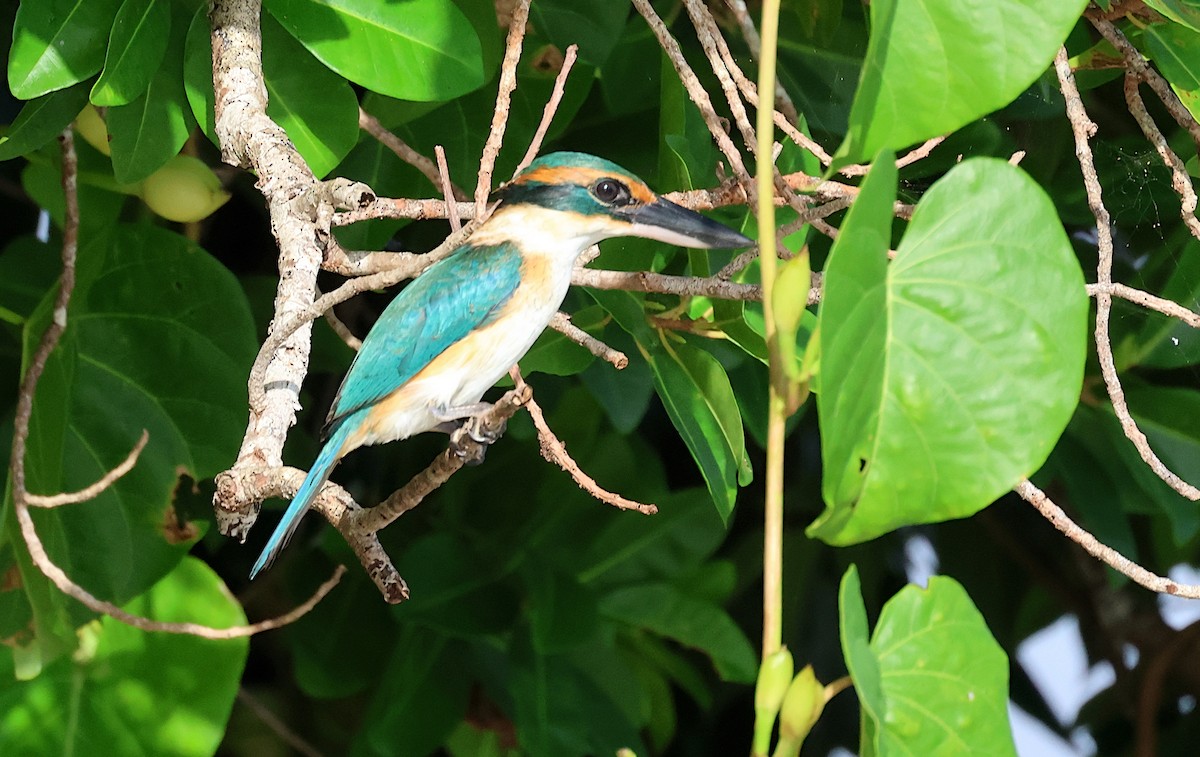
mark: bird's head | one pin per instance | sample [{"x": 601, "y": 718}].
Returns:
[{"x": 597, "y": 199}]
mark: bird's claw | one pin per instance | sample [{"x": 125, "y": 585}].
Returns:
[{"x": 471, "y": 440}]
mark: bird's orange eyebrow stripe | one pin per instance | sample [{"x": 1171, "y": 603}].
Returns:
[{"x": 585, "y": 176}]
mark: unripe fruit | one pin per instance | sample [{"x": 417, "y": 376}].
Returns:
[
  {"x": 184, "y": 190},
  {"x": 91, "y": 127}
]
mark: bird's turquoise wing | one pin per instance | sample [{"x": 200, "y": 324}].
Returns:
[{"x": 454, "y": 297}]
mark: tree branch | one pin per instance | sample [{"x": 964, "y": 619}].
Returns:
[
  {"x": 555, "y": 452},
  {"x": 1083, "y": 129},
  {"x": 508, "y": 83},
  {"x": 1098, "y": 549},
  {"x": 96, "y": 489},
  {"x": 24, "y": 412}
]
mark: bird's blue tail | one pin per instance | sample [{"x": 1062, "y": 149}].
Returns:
[{"x": 318, "y": 474}]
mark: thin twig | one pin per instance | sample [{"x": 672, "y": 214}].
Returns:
[
  {"x": 371, "y": 125},
  {"x": 508, "y": 83},
  {"x": 1136, "y": 63},
  {"x": 447, "y": 187},
  {"x": 93, "y": 491},
  {"x": 1098, "y": 549},
  {"x": 1145, "y": 299},
  {"x": 273, "y": 722},
  {"x": 24, "y": 411},
  {"x": 342, "y": 330},
  {"x": 920, "y": 152},
  {"x": 697, "y": 93},
  {"x": 398, "y": 207},
  {"x": 1181, "y": 182},
  {"x": 560, "y": 84},
  {"x": 713, "y": 45},
  {"x": 661, "y": 283},
  {"x": 555, "y": 451},
  {"x": 561, "y": 322},
  {"x": 1083, "y": 129},
  {"x": 783, "y": 101}
]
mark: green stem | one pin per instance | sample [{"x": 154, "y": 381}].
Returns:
[{"x": 776, "y": 404}]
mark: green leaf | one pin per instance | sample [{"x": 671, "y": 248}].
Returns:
[
  {"x": 135, "y": 49},
  {"x": 595, "y": 27},
  {"x": 687, "y": 157},
  {"x": 158, "y": 338},
  {"x": 1160, "y": 341},
  {"x": 42, "y": 120},
  {"x": 197, "y": 73},
  {"x": 1186, "y": 12},
  {"x": 462, "y": 125},
  {"x": 325, "y": 669},
  {"x": 1168, "y": 416},
  {"x": 316, "y": 107},
  {"x": 57, "y": 43},
  {"x": 851, "y": 346},
  {"x": 152, "y": 128},
  {"x": 132, "y": 691},
  {"x": 28, "y": 268},
  {"x": 697, "y": 396},
  {"x": 947, "y": 376},
  {"x": 667, "y": 611},
  {"x": 932, "y": 681},
  {"x": 556, "y": 355},
  {"x": 861, "y": 661},
  {"x": 682, "y": 534},
  {"x": 422, "y": 695},
  {"x": 560, "y": 705},
  {"x": 98, "y": 207},
  {"x": 933, "y": 66},
  {"x": 562, "y": 612},
  {"x": 1176, "y": 52},
  {"x": 416, "y": 50}
]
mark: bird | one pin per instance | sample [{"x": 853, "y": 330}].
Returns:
[{"x": 459, "y": 327}]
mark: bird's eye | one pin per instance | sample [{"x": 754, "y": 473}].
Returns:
[{"x": 611, "y": 192}]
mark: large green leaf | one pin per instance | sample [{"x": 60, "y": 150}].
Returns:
[
  {"x": 561, "y": 704},
  {"x": 684, "y": 532},
  {"x": 1186, "y": 12},
  {"x": 932, "y": 681},
  {"x": 415, "y": 50},
  {"x": 461, "y": 126},
  {"x": 663, "y": 608},
  {"x": 1176, "y": 52},
  {"x": 131, "y": 692},
  {"x": 152, "y": 128},
  {"x": 697, "y": 396},
  {"x": 316, "y": 107},
  {"x": 57, "y": 43},
  {"x": 933, "y": 66},
  {"x": 158, "y": 338},
  {"x": 595, "y": 27},
  {"x": 41, "y": 120},
  {"x": 1155, "y": 340},
  {"x": 422, "y": 695},
  {"x": 860, "y": 660},
  {"x": 135, "y": 50},
  {"x": 948, "y": 375}
]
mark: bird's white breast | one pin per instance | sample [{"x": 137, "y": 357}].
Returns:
[{"x": 468, "y": 368}]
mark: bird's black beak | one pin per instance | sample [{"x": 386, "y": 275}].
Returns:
[{"x": 667, "y": 222}]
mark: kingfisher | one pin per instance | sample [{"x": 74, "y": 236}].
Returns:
[{"x": 459, "y": 327}]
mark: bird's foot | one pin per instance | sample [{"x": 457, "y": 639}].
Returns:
[{"x": 474, "y": 435}]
